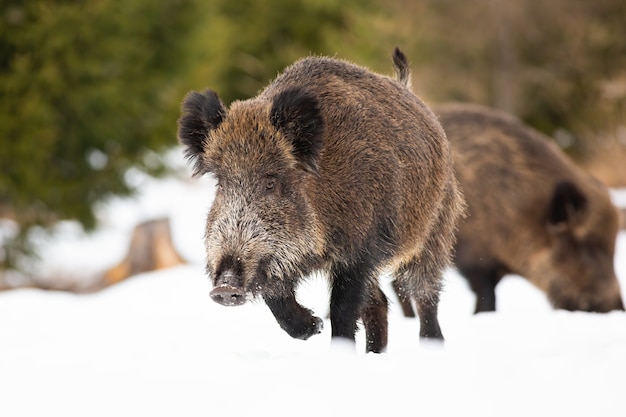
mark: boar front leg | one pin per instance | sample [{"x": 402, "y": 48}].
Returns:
[
  {"x": 483, "y": 283},
  {"x": 482, "y": 273},
  {"x": 404, "y": 297},
  {"x": 297, "y": 321}
]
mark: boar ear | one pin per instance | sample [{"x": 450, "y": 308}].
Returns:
[
  {"x": 567, "y": 206},
  {"x": 200, "y": 113},
  {"x": 296, "y": 113}
]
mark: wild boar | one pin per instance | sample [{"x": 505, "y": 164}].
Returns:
[
  {"x": 331, "y": 168},
  {"x": 531, "y": 211}
]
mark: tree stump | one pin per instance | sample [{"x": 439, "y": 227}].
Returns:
[{"x": 151, "y": 249}]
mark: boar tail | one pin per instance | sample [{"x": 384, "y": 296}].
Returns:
[{"x": 401, "y": 64}]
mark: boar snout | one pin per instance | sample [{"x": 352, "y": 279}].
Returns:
[{"x": 228, "y": 290}]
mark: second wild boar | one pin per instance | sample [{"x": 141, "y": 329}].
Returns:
[{"x": 531, "y": 212}]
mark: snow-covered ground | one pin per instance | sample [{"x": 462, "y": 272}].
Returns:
[{"x": 156, "y": 345}]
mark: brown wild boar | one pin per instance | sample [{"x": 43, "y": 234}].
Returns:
[
  {"x": 330, "y": 168},
  {"x": 531, "y": 212}
]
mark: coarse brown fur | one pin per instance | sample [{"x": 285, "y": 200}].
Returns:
[
  {"x": 532, "y": 212},
  {"x": 331, "y": 168}
]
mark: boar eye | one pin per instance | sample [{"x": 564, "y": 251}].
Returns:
[{"x": 270, "y": 185}]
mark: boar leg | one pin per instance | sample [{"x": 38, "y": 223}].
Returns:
[
  {"x": 375, "y": 321},
  {"x": 297, "y": 321},
  {"x": 404, "y": 299},
  {"x": 423, "y": 281},
  {"x": 483, "y": 280},
  {"x": 350, "y": 286},
  {"x": 429, "y": 322}
]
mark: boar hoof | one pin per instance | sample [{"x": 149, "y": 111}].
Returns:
[
  {"x": 313, "y": 327},
  {"x": 317, "y": 325},
  {"x": 228, "y": 296}
]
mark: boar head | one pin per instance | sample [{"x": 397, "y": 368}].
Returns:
[
  {"x": 262, "y": 232},
  {"x": 579, "y": 261}
]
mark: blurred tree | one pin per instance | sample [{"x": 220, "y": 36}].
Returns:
[
  {"x": 558, "y": 65},
  {"x": 572, "y": 57},
  {"x": 251, "y": 41},
  {"x": 85, "y": 93}
]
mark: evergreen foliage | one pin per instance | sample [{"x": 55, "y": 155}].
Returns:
[
  {"x": 251, "y": 41},
  {"x": 83, "y": 96},
  {"x": 91, "y": 89}
]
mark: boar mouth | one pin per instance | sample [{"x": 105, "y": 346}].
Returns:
[
  {"x": 228, "y": 295},
  {"x": 229, "y": 290}
]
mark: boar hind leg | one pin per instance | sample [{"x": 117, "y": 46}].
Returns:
[
  {"x": 423, "y": 281},
  {"x": 421, "y": 277},
  {"x": 350, "y": 286},
  {"x": 375, "y": 321},
  {"x": 297, "y": 321}
]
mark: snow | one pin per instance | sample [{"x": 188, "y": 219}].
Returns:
[{"x": 156, "y": 345}]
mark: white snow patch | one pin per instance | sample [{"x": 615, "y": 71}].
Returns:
[{"x": 157, "y": 345}]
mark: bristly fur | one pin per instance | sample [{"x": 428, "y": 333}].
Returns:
[
  {"x": 382, "y": 195},
  {"x": 532, "y": 212}
]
